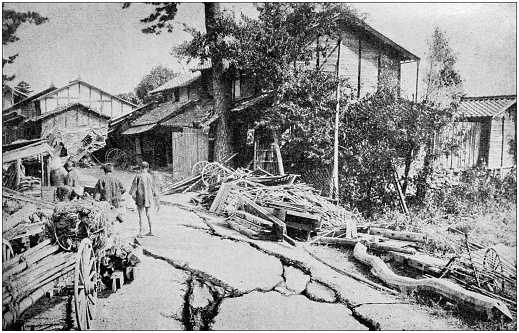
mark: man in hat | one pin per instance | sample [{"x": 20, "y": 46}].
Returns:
[
  {"x": 144, "y": 191},
  {"x": 109, "y": 188}
]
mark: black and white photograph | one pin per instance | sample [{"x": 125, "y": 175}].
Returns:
[{"x": 278, "y": 166}]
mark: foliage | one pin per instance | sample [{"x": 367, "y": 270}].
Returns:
[
  {"x": 379, "y": 133},
  {"x": 131, "y": 97},
  {"x": 443, "y": 82},
  {"x": 157, "y": 77},
  {"x": 24, "y": 87},
  {"x": 11, "y": 21}
]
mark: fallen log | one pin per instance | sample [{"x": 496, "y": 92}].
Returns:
[
  {"x": 371, "y": 245},
  {"x": 444, "y": 288},
  {"x": 400, "y": 235},
  {"x": 16, "y": 259}
]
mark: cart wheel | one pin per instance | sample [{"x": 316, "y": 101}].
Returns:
[
  {"x": 494, "y": 267},
  {"x": 117, "y": 157},
  {"x": 198, "y": 167},
  {"x": 85, "y": 284},
  {"x": 7, "y": 250},
  {"x": 213, "y": 173}
]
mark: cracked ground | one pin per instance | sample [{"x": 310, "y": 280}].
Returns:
[{"x": 197, "y": 274}]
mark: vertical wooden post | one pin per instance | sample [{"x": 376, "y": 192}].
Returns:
[
  {"x": 278, "y": 154},
  {"x": 18, "y": 175},
  {"x": 42, "y": 176},
  {"x": 416, "y": 86},
  {"x": 335, "y": 174},
  {"x": 255, "y": 155}
]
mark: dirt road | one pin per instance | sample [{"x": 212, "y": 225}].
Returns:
[{"x": 196, "y": 273}]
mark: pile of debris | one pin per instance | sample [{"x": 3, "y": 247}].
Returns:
[{"x": 264, "y": 206}]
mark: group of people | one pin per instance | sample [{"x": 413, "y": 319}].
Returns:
[{"x": 145, "y": 191}]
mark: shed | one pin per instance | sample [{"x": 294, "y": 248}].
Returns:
[{"x": 487, "y": 133}]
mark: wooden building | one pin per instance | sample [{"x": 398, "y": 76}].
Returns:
[
  {"x": 11, "y": 96},
  {"x": 75, "y": 116},
  {"x": 485, "y": 135},
  {"x": 366, "y": 57}
]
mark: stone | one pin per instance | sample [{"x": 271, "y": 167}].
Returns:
[
  {"x": 295, "y": 279},
  {"x": 282, "y": 289},
  {"x": 320, "y": 293},
  {"x": 272, "y": 311},
  {"x": 200, "y": 295}
]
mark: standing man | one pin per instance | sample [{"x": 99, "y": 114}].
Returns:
[
  {"x": 143, "y": 191},
  {"x": 109, "y": 188},
  {"x": 72, "y": 177}
]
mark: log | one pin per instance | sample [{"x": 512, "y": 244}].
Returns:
[
  {"x": 10, "y": 316},
  {"x": 13, "y": 220},
  {"x": 400, "y": 235},
  {"x": 30, "y": 260},
  {"x": 445, "y": 288},
  {"x": 371, "y": 245},
  {"x": 16, "y": 259}
]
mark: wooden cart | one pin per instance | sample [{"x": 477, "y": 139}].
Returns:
[{"x": 30, "y": 275}]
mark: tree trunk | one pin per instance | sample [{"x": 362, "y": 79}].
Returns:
[{"x": 222, "y": 88}]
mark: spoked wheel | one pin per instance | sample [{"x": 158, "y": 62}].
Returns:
[
  {"x": 214, "y": 173},
  {"x": 198, "y": 167},
  {"x": 494, "y": 269},
  {"x": 85, "y": 284},
  {"x": 7, "y": 250},
  {"x": 117, "y": 157}
]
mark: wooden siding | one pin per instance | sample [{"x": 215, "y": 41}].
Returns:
[
  {"x": 88, "y": 96},
  {"x": 188, "y": 147},
  {"x": 360, "y": 59},
  {"x": 501, "y": 132},
  {"x": 467, "y": 136}
]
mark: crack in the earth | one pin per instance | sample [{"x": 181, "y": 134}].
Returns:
[{"x": 233, "y": 293}]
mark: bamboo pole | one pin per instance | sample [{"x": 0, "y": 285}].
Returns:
[
  {"x": 37, "y": 270},
  {"x": 10, "y": 316},
  {"x": 29, "y": 261},
  {"x": 442, "y": 287},
  {"x": 16, "y": 259}
]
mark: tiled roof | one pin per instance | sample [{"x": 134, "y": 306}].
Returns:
[
  {"x": 179, "y": 81},
  {"x": 65, "y": 108},
  {"x": 192, "y": 116},
  {"x": 159, "y": 113},
  {"x": 485, "y": 106},
  {"x": 202, "y": 65}
]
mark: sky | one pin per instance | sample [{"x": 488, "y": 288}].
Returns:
[{"x": 103, "y": 43}]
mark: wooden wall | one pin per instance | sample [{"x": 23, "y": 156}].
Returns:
[
  {"x": 88, "y": 96},
  {"x": 363, "y": 62},
  {"x": 502, "y": 130},
  {"x": 188, "y": 147},
  {"x": 468, "y": 137},
  {"x": 75, "y": 118}
]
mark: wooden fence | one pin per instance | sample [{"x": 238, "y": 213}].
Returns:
[{"x": 458, "y": 147}]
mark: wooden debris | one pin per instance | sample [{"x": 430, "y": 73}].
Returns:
[
  {"x": 371, "y": 245},
  {"x": 401, "y": 235},
  {"x": 442, "y": 287}
]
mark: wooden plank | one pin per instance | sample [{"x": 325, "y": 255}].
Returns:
[
  {"x": 371, "y": 245},
  {"x": 401, "y": 235},
  {"x": 442, "y": 287},
  {"x": 221, "y": 196},
  {"x": 254, "y": 219}
]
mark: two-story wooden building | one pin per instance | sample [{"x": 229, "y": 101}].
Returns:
[
  {"x": 172, "y": 133},
  {"x": 65, "y": 115}
]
